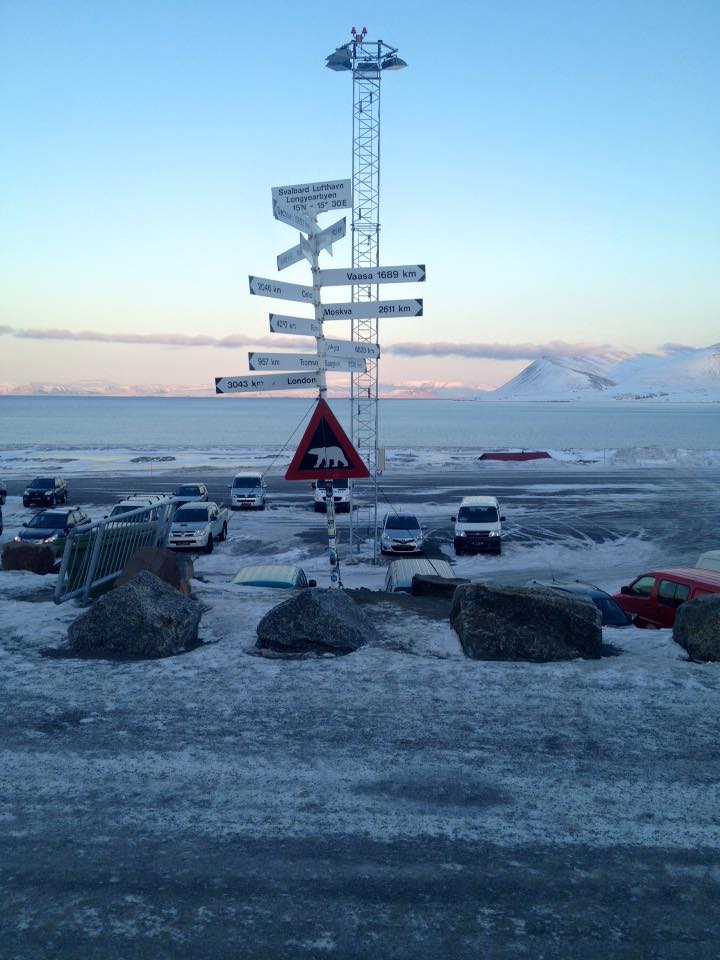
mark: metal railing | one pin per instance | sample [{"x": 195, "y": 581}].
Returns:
[{"x": 95, "y": 555}]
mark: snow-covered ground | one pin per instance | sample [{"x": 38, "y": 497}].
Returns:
[{"x": 224, "y": 804}]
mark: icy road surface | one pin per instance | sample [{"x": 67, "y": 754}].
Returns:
[{"x": 401, "y": 802}]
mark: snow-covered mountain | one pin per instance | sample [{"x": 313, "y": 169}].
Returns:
[{"x": 681, "y": 373}]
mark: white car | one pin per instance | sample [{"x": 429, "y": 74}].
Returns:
[
  {"x": 477, "y": 526},
  {"x": 198, "y": 526},
  {"x": 402, "y": 533},
  {"x": 341, "y": 495},
  {"x": 248, "y": 492}
]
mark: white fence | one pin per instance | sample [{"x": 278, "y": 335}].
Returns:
[{"x": 95, "y": 555}]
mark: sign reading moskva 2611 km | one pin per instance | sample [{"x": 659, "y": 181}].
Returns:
[
  {"x": 257, "y": 383},
  {"x": 262, "y": 287},
  {"x": 312, "y": 198},
  {"x": 372, "y": 308},
  {"x": 353, "y": 275}
]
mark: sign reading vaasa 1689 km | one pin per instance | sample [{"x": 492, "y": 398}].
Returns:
[
  {"x": 262, "y": 287},
  {"x": 342, "y": 278},
  {"x": 313, "y": 198},
  {"x": 372, "y": 308},
  {"x": 257, "y": 383}
]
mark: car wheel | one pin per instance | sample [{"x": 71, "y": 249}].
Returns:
[
  {"x": 261, "y": 507},
  {"x": 223, "y": 535},
  {"x": 209, "y": 545},
  {"x": 2, "y": 499},
  {"x": 234, "y": 508},
  {"x": 26, "y": 503}
]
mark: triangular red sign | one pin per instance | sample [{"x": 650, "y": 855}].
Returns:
[{"x": 325, "y": 451}]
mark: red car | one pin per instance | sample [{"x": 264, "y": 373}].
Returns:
[{"x": 654, "y": 597}]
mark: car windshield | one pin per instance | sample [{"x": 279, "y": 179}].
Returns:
[
  {"x": 246, "y": 483},
  {"x": 478, "y": 515},
  {"x": 127, "y": 508},
  {"x": 612, "y": 614},
  {"x": 196, "y": 515},
  {"x": 402, "y": 521},
  {"x": 48, "y": 521},
  {"x": 43, "y": 483},
  {"x": 337, "y": 484},
  {"x": 189, "y": 490}
]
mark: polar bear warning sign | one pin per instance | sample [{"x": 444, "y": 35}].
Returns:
[{"x": 325, "y": 451}]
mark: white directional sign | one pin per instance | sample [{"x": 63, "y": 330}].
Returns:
[
  {"x": 292, "y": 219},
  {"x": 372, "y": 308},
  {"x": 348, "y": 348},
  {"x": 289, "y": 257},
  {"x": 351, "y": 275},
  {"x": 304, "y": 361},
  {"x": 262, "y": 287},
  {"x": 282, "y": 361},
  {"x": 297, "y": 325},
  {"x": 313, "y": 198},
  {"x": 260, "y": 382},
  {"x": 330, "y": 235}
]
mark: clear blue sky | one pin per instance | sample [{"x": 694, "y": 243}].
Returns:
[{"x": 554, "y": 164}]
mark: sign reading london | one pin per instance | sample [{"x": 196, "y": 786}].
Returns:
[
  {"x": 314, "y": 198},
  {"x": 258, "y": 383}
]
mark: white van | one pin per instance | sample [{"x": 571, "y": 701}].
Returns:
[
  {"x": 710, "y": 560},
  {"x": 477, "y": 526},
  {"x": 341, "y": 495},
  {"x": 248, "y": 492}
]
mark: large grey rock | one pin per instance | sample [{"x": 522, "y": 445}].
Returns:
[
  {"x": 428, "y": 585},
  {"x": 313, "y": 622},
  {"x": 697, "y": 627},
  {"x": 172, "y": 568},
  {"x": 145, "y": 617},
  {"x": 519, "y": 623},
  {"x": 35, "y": 557}
]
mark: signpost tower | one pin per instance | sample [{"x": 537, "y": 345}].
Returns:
[{"x": 367, "y": 60}]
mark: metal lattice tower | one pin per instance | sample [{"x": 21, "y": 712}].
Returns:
[{"x": 367, "y": 60}]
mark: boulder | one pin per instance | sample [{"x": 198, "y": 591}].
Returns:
[
  {"x": 143, "y": 618},
  {"x": 697, "y": 627},
  {"x": 170, "y": 567},
  {"x": 35, "y": 557},
  {"x": 315, "y": 621},
  {"x": 519, "y": 623},
  {"x": 429, "y": 585}
]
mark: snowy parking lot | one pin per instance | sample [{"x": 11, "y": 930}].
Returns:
[{"x": 402, "y": 801}]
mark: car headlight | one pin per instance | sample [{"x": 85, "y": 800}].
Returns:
[
  {"x": 52, "y": 538},
  {"x": 493, "y": 533},
  {"x": 198, "y": 533},
  {"x": 461, "y": 533}
]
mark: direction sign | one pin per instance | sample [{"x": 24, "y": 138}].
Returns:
[
  {"x": 372, "y": 308},
  {"x": 258, "y": 383},
  {"x": 283, "y": 361},
  {"x": 262, "y": 287},
  {"x": 348, "y": 348},
  {"x": 330, "y": 235},
  {"x": 292, "y": 219},
  {"x": 325, "y": 451},
  {"x": 304, "y": 361},
  {"x": 291, "y": 256},
  {"x": 297, "y": 325},
  {"x": 351, "y": 275},
  {"x": 313, "y": 198}
]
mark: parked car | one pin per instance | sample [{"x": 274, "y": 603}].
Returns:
[
  {"x": 52, "y": 526},
  {"x": 281, "y": 575},
  {"x": 198, "y": 526},
  {"x": 46, "y": 491},
  {"x": 402, "y": 533},
  {"x": 192, "y": 492},
  {"x": 248, "y": 492},
  {"x": 710, "y": 560},
  {"x": 3, "y": 493},
  {"x": 400, "y": 573},
  {"x": 477, "y": 526},
  {"x": 341, "y": 495},
  {"x": 655, "y": 596},
  {"x": 1, "y": 521},
  {"x": 613, "y": 614}
]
